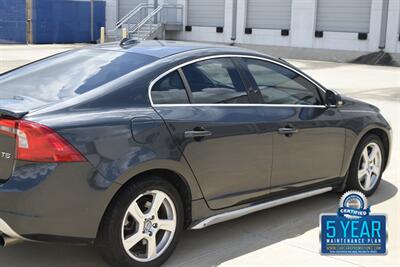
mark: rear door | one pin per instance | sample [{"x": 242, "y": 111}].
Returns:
[
  {"x": 217, "y": 130},
  {"x": 308, "y": 138}
]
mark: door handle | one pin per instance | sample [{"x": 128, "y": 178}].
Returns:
[
  {"x": 197, "y": 134},
  {"x": 287, "y": 130}
]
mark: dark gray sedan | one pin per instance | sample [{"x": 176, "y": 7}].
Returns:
[{"x": 126, "y": 145}]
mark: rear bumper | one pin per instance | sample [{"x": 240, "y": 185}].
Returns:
[{"x": 54, "y": 202}]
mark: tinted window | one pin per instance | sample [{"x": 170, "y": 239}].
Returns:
[
  {"x": 279, "y": 85},
  {"x": 215, "y": 81},
  {"x": 169, "y": 90},
  {"x": 67, "y": 75}
]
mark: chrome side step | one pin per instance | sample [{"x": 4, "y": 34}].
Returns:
[
  {"x": 8, "y": 236},
  {"x": 262, "y": 206}
]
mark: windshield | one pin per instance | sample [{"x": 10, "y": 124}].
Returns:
[{"x": 66, "y": 75}]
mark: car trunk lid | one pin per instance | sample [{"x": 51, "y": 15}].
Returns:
[{"x": 7, "y": 142}]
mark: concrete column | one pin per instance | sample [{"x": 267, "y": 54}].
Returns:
[
  {"x": 228, "y": 20},
  {"x": 185, "y": 8},
  {"x": 111, "y": 14},
  {"x": 393, "y": 28},
  {"x": 375, "y": 25},
  {"x": 241, "y": 20},
  {"x": 304, "y": 14},
  {"x": 384, "y": 18},
  {"x": 234, "y": 20}
]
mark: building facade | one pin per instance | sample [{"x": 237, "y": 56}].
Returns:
[{"x": 341, "y": 25}]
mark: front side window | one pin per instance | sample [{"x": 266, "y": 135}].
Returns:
[
  {"x": 279, "y": 85},
  {"x": 215, "y": 81},
  {"x": 169, "y": 90}
]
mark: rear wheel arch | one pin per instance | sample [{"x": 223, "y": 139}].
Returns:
[
  {"x": 171, "y": 177},
  {"x": 180, "y": 184}
]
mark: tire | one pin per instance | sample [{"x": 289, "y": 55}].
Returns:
[
  {"x": 372, "y": 169},
  {"x": 123, "y": 224}
]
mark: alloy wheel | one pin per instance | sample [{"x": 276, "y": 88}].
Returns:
[
  {"x": 149, "y": 226},
  {"x": 369, "y": 167}
]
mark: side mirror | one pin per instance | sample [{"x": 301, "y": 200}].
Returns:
[{"x": 333, "y": 99}]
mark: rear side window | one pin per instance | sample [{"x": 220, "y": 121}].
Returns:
[
  {"x": 215, "y": 81},
  {"x": 169, "y": 90},
  {"x": 280, "y": 85}
]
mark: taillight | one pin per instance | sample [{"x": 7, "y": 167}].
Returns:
[{"x": 38, "y": 143}]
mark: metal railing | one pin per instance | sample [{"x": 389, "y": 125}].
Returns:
[
  {"x": 130, "y": 14},
  {"x": 145, "y": 19},
  {"x": 162, "y": 15},
  {"x": 135, "y": 15},
  {"x": 152, "y": 17}
]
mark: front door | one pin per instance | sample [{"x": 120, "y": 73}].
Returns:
[
  {"x": 217, "y": 130},
  {"x": 308, "y": 143}
]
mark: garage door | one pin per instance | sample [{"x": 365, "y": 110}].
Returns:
[
  {"x": 343, "y": 15},
  {"x": 124, "y": 6},
  {"x": 209, "y": 13},
  {"x": 269, "y": 14}
]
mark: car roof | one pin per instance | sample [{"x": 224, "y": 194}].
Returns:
[{"x": 161, "y": 49}]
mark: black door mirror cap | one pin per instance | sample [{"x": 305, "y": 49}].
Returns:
[{"x": 333, "y": 98}]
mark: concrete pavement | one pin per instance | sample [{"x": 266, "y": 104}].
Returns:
[
  {"x": 282, "y": 236},
  {"x": 12, "y": 56}
]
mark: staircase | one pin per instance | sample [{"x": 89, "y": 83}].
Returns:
[
  {"x": 147, "y": 21},
  {"x": 148, "y": 31}
]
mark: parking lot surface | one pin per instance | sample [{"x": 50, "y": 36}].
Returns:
[{"x": 282, "y": 236}]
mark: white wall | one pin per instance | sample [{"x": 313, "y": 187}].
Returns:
[
  {"x": 302, "y": 29},
  {"x": 258, "y": 36},
  {"x": 349, "y": 41},
  {"x": 207, "y": 34}
]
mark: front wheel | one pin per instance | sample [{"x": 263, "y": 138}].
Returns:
[
  {"x": 142, "y": 225},
  {"x": 367, "y": 165}
]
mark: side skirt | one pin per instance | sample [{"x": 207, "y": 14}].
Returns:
[{"x": 226, "y": 216}]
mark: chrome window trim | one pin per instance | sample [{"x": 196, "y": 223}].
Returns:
[{"x": 228, "y": 105}]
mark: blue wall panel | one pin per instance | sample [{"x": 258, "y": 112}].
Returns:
[
  {"x": 53, "y": 21},
  {"x": 12, "y": 21},
  {"x": 65, "y": 21}
]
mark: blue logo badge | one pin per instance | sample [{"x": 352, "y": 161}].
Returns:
[{"x": 353, "y": 230}]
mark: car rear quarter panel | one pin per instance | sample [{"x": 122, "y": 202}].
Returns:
[
  {"x": 123, "y": 143},
  {"x": 120, "y": 144}
]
